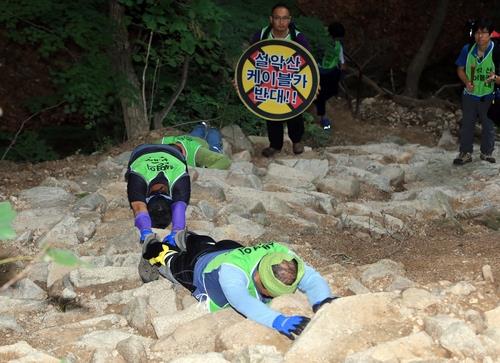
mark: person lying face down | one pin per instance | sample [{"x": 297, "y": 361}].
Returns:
[
  {"x": 201, "y": 148},
  {"x": 226, "y": 274},
  {"x": 158, "y": 189}
]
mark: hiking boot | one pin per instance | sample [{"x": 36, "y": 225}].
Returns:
[
  {"x": 488, "y": 158},
  {"x": 269, "y": 152},
  {"x": 462, "y": 158},
  {"x": 148, "y": 272},
  {"x": 298, "y": 148},
  {"x": 325, "y": 124}
]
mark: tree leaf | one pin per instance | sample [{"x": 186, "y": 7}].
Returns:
[{"x": 63, "y": 257}]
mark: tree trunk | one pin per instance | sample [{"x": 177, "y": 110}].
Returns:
[
  {"x": 417, "y": 64},
  {"x": 136, "y": 122},
  {"x": 160, "y": 116}
]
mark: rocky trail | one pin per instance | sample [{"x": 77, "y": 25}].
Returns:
[{"x": 408, "y": 241}]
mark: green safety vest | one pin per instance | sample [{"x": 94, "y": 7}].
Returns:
[
  {"x": 150, "y": 165},
  {"x": 331, "y": 58},
  {"x": 190, "y": 144},
  {"x": 482, "y": 71},
  {"x": 246, "y": 259}
]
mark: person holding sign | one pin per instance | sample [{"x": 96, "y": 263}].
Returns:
[
  {"x": 281, "y": 27},
  {"x": 476, "y": 68},
  {"x": 158, "y": 189},
  {"x": 246, "y": 278}
]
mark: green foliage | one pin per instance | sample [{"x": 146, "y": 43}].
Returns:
[
  {"x": 63, "y": 257},
  {"x": 28, "y": 147},
  {"x": 75, "y": 39},
  {"x": 313, "y": 134},
  {"x": 7, "y": 215}
]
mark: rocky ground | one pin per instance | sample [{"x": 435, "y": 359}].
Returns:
[{"x": 410, "y": 243}]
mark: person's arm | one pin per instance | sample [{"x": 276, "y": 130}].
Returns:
[
  {"x": 314, "y": 286},
  {"x": 136, "y": 193},
  {"x": 302, "y": 40},
  {"x": 342, "y": 59},
  {"x": 463, "y": 77},
  {"x": 255, "y": 38},
  {"x": 461, "y": 62},
  {"x": 234, "y": 285},
  {"x": 181, "y": 193}
]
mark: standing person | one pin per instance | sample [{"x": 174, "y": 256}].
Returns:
[
  {"x": 281, "y": 27},
  {"x": 226, "y": 274},
  {"x": 158, "y": 189},
  {"x": 476, "y": 69},
  {"x": 330, "y": 71}
]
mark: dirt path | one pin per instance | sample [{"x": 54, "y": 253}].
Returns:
[{"x": 440, "y": 250}]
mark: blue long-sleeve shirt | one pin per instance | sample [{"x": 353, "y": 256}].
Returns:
[{"x": 234, "y": 283}]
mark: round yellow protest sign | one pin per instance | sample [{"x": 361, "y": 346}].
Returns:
[{"x": 277, "y": 79}]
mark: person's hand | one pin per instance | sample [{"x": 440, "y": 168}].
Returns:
[
  {"x": 319, "y": 304},
  {"x": 492, "y": 78},
  {"x": 170, "y": 238},
  {"x": 145, "y": 233},
  {"x": 290, "y": 326},
  {"x": 469, "y": 86}
]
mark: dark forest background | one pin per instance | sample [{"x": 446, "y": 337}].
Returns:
[{"x": 81, "y": 76}]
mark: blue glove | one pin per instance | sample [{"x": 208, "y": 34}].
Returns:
[
  {"x": 289, "y": 325},
  {"x": 170, "y": 239},
  {"x": 323, "y": 302},
  {"x": 145, "y": 233}
]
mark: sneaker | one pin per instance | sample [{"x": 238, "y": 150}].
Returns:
[
  {"x": 148, "y": 272},
  {"x": 462, "y": 158},
  {"x": 326, "y": 124},
  {"x": 269, "y": 152},
  {"x": 488, "y": 158},
  {"x": 298, "y": 148}
]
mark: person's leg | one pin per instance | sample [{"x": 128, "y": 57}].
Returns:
[
  {"x": 179, "y": 267},
  {"x": 214, "y": 139},
  {"x": 275, "y": 136},
  {"x": 469, "y": 114},
  {"x": 200, "y": 131},
  {"x": 295, "y": 132},
  {"x": 210, "y": 159},
  {"x": 487, "y": 129}
]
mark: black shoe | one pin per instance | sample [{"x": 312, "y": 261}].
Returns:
[
  {"x": 269, "y": 152},
  {"x": 298, "y": 148},
  {"x": 488, "y": 158},
  {"x": 462, "y": 159}
]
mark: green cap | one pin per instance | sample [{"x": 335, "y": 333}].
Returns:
[{"x": 271, "y": 282}]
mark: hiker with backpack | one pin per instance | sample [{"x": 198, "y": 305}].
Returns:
[
  {"x": 330, "y": 69},
  {"x": 477, "y": 66},
  {"x": 201, "y": 148},
  {"x": 282, "y": 27},
  {"x": 246, "y": 278}
]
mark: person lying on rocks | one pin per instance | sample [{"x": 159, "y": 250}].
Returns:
[
  {"x": 226, "y": 274},
  {"x": 201, "y": 148},
  {"x": 158, "y": 189}
]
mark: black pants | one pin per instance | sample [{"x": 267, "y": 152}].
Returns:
[
  {"x": 275, "y": 130},
  {"x": 329, "y": 83},
  {"x": 182, "y": 264}
]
